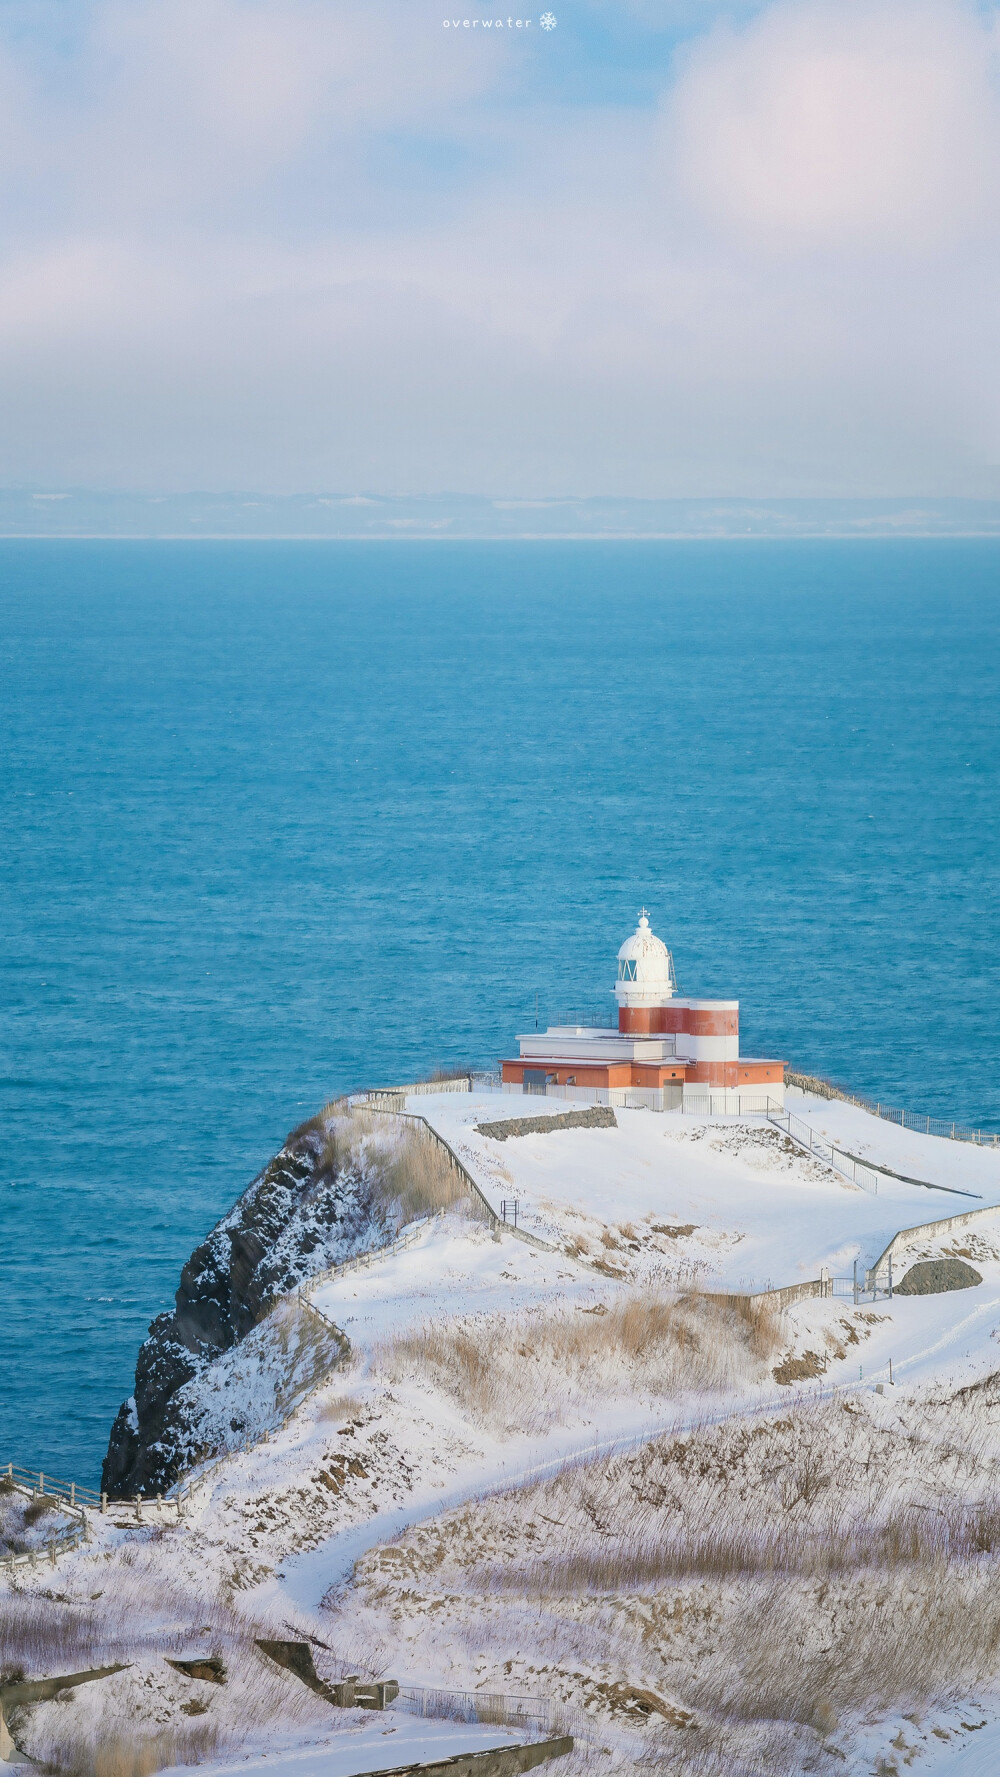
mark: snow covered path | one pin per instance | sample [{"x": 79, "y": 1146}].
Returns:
[
  {"x": 978, "y": 1757},
  {"x": 394, "y": 1739},
  {"x": 400, "y": 1437},
  {"x": 921, "y": 1336},
  {"x": 790, "y": 1213}
]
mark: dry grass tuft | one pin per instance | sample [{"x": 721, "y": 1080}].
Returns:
[
  {"x": 148, "y": 1716},
  {"x": 404, "y": 1172},
  {"x": 419, "y": 1178},
  {"x": 339, "y": 1410},
  {"x": 39, "y": 1507},
  {"x": 128, "y": 1756},
  {"x": 647, "y": 1343}
]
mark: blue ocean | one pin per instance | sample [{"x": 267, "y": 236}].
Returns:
[{"x": 281, "y": 819}]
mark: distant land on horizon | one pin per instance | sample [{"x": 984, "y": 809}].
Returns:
[{"x": 82, "y": 513}]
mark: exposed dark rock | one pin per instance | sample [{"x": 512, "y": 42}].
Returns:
[
  {"x": 210, "y": 1670},
  {"x": 933, "y": 1276},
  {"x": 296, "y": 1657},
  {"x": 307, "y": 1209}
]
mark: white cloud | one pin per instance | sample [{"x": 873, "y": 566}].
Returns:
[
  {"x": 297, "y": 245},
  {"x": 842, "y": 125}
]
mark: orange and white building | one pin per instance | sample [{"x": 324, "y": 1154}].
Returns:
[{"x": 667, "y": 1052}]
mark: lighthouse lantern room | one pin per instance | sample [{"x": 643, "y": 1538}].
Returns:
[{"x": 666, "y": 1052}]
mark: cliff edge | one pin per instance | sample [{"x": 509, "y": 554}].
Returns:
[{"x": 312, "y": 1205}]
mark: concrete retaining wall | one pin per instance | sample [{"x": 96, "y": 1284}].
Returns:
[
  {"x": 783, "y": 1298},
  {"x": 503, "y": 1761},
  {"x": 595, "y": 1117},
  {"x": 793, "y": 1292},
  {"x": 909, "y": 1236}
]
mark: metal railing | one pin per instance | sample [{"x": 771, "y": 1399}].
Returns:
[
  {"x": 592, "y": 1018},
  {"x": 982, "y": 1138},
  {"x": 730, "y": 1101},
  {"x": 817, "y": 1145},
  {"x": 488, "y": 1707},
  {"x": 861, "y": 1174},
  {"x": 863, "y": 1286},
  {"x": 623, "y": 1098},
  {"x": 919, "y": 1124}
]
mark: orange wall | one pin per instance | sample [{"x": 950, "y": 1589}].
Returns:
[
  {"x": 630, "y": 1073},
  {"x": 625, "y": 1073},
  {"x": 671, "y": 1020},
  {"x": 652, "y": 1020}
]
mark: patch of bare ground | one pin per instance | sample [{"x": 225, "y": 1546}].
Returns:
[
  {"x": 361, "y": 1469},
  {"x": 800, "y": 1369},
  {"x": 769, "y": 1583},
  {"x": 759, "y": 1145},
  {"x": 654, "y": 1251}
]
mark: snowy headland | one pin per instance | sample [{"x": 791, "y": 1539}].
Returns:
[{"x": 588, "y": 1461}]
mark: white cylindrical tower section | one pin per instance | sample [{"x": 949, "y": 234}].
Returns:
[{"x": 645, "y": 969}]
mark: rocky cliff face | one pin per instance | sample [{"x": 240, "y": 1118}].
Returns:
[{"x": 310, "y": 1207}]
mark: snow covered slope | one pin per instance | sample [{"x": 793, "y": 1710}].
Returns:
[
  {"x": 756, "y": 1211},
  {"x": 559, "y": 1469}
]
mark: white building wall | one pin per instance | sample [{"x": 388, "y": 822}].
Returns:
[{"x": 707, "y": 1048}]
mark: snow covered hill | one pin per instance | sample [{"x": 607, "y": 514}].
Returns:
[{"x": 576, "y": 1468}]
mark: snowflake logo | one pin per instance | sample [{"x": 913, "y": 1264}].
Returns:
[{"x": 548, "y": 21}]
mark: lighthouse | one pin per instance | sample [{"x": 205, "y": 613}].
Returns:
[{"x": 667, "y": 1052}]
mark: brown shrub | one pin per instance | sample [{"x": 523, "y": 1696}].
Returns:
[
  {"x": 39, "y": 1507},
  {"x": 644, "y": 1343}
]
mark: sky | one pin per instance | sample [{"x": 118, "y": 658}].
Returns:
[{"x": 663, "y": 249}]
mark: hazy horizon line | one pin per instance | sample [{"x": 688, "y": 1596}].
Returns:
[{"x": 105, "y": 515}]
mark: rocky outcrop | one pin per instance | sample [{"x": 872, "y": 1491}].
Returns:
[
  {"x": 934, "y": 1276},
  {"x": 309, "y": 1207}
]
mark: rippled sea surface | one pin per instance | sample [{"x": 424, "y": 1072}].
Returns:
[{"x": 284, "y": 818}]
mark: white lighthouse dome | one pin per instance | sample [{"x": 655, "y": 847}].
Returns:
[{"x": 645, "y": 968}]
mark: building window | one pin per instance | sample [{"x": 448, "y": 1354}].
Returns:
[{"x": 626, "y": 971}]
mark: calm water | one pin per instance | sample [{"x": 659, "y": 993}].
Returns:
[{"x": 281, "y": 819}]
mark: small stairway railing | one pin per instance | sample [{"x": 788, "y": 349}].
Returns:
[{"x": 806, "y": 1137}]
